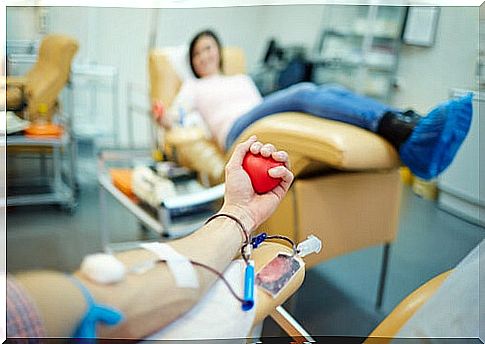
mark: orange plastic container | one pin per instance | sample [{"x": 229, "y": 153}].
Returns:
[{"x": 48, "y": 130}]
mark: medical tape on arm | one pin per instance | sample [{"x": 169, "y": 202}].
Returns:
[{"x": 181, "y": 268}]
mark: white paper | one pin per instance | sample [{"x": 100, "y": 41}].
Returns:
[{"x": 421, "y": 26}]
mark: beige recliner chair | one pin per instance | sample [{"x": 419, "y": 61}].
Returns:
[
  {"x": 347, "y": 187},
  {"x": 44, "y": 82},
  {"x": 387, "y": 330}
]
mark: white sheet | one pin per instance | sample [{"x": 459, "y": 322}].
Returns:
[
  {"x": 178, "y": 58},
  {"x": 217, "y": 316}
]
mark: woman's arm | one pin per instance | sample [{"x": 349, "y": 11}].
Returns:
[
  {"x": 152, "y": 300},
  {"x": 184, "y": 101}
]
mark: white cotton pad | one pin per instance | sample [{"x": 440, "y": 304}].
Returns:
[{"x": 103, "y": 268}]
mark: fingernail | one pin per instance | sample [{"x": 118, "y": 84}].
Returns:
[{"x": 276, "y": 170}]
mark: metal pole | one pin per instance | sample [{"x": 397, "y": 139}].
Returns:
[
  {"x": 291, "y": 326},
  {"x": 130, "y": 116},
  {"x": 72, "y": 145},
  {"x": 152, "y": 40},
  {"x": 382, "y": 279},
  {"x": 115, "y": 110},
  {"x": 105, "y": 237}
]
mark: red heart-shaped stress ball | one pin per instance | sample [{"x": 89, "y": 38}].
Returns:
[{"x": 257, "y": 167}]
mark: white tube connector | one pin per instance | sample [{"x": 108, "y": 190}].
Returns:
[{"x": 311, "y": 245}]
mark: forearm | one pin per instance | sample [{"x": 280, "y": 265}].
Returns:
[
  {"x": 153, "y": 300},
  {"x": 149, "y": 301}
]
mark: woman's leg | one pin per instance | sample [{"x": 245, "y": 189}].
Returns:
[
  {"x": 328, "y": 101},
  {"x": 434, "y": 142},
  {"x": 427, "y": 145}
]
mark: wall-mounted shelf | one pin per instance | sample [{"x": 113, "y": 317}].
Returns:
[{"x": 359, "y": 48}]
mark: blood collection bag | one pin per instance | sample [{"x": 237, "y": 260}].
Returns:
[{"x": 277, "y": 273}]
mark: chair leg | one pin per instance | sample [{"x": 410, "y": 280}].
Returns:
[{"x": 382, "y": 279}]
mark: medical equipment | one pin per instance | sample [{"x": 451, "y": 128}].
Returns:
[
  {"x": 94, "y": 313},
  {"x": 248, "y": 287},
  {"x": 106, "y": 269},
  {"x": 311, "y": 245},
  {"x": 275, "y": 275}
]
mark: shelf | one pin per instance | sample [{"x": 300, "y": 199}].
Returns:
[
  {"x": 55, "y": 189},
  {"x": 21, "y": 140},
  {"x": 351, "y": 34},
  {"x": 58, "y": 194},
  {"x": 362, "y": 43},
  {"x": 335, "y": 63}
]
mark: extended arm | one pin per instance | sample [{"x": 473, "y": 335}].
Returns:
[{"x": 152, "y": 300}]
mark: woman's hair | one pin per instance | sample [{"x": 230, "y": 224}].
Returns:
[{"x": 205, "y": 33}]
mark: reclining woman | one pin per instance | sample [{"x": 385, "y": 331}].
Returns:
[{"x": 229, "y": 104}]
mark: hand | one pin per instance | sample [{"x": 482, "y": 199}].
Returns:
[
  {"x": 159, "y": 114},
  {"x": 240, "y": 198}
]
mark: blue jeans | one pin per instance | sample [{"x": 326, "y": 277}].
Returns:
[{"x": 328, "y": 101}]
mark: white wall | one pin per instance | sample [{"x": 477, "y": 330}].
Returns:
[
  {"x": 292, "y": 25},
  {"x": 120, "y": 36},
  {"x": 21, "y": 23},
  {"x": 427, "y": 74}
]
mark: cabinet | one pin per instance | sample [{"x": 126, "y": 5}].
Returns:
[
  {"x": 462, "y": 185},
  {"x": 95, "y": 102},
  {"x": 359, "y": 48}
]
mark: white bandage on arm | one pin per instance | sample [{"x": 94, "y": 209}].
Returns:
[
  {"x": 184, "y": 101},
  {"x": 181, "y": 268}
]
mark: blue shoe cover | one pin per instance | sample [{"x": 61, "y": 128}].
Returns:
[{"x": 434, "y": 142}]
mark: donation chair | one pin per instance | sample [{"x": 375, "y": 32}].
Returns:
[
  {"x": 35, "y": 96},
  {"x": 45, "y": 81},
  {"x": 387, "y": 330},
  {"x": 447, "y": 306},
  {"x": 347, "y": 185}
]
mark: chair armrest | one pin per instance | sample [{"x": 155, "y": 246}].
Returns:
[
  {"x": 16, "y": 81},
  {"x": 15, "y": 86},
  {"x": 391, "y": 325},
  {"x": 41, "y": 88}
]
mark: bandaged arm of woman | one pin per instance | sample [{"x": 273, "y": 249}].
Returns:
[
  {"x": 153, "y": 300},
  {"x": 184, "y": 101}
]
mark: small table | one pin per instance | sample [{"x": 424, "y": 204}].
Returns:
[
  {"x": 158, "y": 220},
  {"x": 58, "y": 190}
]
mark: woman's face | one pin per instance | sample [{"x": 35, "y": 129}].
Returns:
[{"x": 205, "y": 57}]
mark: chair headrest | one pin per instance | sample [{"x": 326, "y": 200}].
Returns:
[{"x": 178, "y": 57}]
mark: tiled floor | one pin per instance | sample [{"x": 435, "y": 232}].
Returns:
[{"x": 337, "y": 297}]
